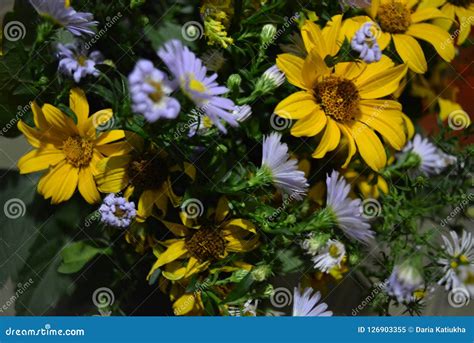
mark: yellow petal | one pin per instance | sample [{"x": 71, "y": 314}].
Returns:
[
  {"x": 174, "y": 251},
  {"x": 351, "y": 146},
  {"x": 446, "y": 107},
  {"x": 187, "y": 303},
  {"x": 114, "y": 149},
  {"x": 330, "y": 139},
  {"x": 296, "y": 106},
  {"x": 174, "y": 271},
  {"x": 79, "y": 105},
  {"x": 292, "y": 66},
  {"x": 97, "y": 120},
  {"x": 59, "y": 183},
  {"x": 426, "y": 14},
  {"x": 314, "y": 68},
  {"x": 38, "y": 116},
  {"x": 39, "y": 159},
  {"x": 222, "y": 210},
  {"x": 369, "y": 146},
  {"x": 411, "y": 53},
  {"x": 311, "y": 125},
  {"x": 331, "y": 35},
  {"x": 177, "y": 229},
  {"x": 109, "y": 136},
  {"x": 113, "y": 176},
  {"x": 391, "y": 130},
  {"x": 241, "y": 224},
  {"x": 313, "y": 38},
  {"x": 466, "y": 19},
  {"x": 378, "y": 105},
  {"x": 59, "y": 121},
  {"x": 368, "y": 71},
  {"x": 240, "y": 245},
  {"x": 383, "y": 83},
  {"x": 436, "y": 36},
  {"x": 87, "y": 186},
  {"x": 410, "y": 129},
  {"x": 145, "y": 204}
]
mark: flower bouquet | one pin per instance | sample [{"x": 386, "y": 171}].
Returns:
[{"x": 235, "y": 158}]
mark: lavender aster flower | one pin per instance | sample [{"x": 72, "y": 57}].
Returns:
[
  {"x": 117, "y": 211},
  {"x": 242, "y": 113},
  {"x": 432, "y": 161},
  {"x": 365, "y": 42},
  {"x": 150, "y": 90},
  {"x": 460, "y": 252},
  {"x": 305, "y": 304},
  {"x": 347, "y": 211},
  {"x": 203, "y": 90},
  {"x": 272, "y": 78},
  {"x": 75, "y": 61},
  {"x": 284, "y": 171},
  {"x": 77, "y": 23},
  {"x": 403, "y": 282}
]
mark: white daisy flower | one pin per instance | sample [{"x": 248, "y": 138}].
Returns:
[
  {"x": 331, "y": 255},
  {"x": 242, "y": 113},
  {"x": 346, "y": 210},
  {"x": 460, "y": 252},
  {"x": 305, "y": 304},
  {"x": 275, "y": 76},
  {"x": 404, "y": 280},
  {"x": 284, "y": 171},
  {"x": 432, "y": 159}
]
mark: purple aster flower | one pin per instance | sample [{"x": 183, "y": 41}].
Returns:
[
  {"x": 365, "y": 42},
  {"x": 203, "y": 90},
  {"x": 242, "y": 113},
  {"x": 284, "y": 171},
  {"x": 347, "y": 211},
  {"x": 403, "y": 282},
  {"x": 117, "y": 211},
  {"x": 77, "y": 23},
  {"x": 150, "y": 90},
  {"x": 305, "y": 304},
  {"x": 432, "y": 160},
  {"x": 75, "y": 61}
]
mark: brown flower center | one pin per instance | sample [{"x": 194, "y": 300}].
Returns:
[
  {"x": 78, "y": 151},
  {"x": 461, "y": 3},
  {"x": 147, "y": 172},
  {"x": 206, "y": 244},
  {"x": 394, "y": 17},
  {"x": 157, "y": 95},
  {"x": 338, "y": 97}
]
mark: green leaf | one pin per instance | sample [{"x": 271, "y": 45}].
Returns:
[
  {"x": 240, "y": 289},
  {"x": 290, "y": 261},
  {"x": 76, "y": 255}
]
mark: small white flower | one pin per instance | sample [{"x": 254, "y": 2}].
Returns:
[
  {"x": 305, "y": 304},
  {"x": 347, "y": 211},
  {"x": 242, "y": 113},
  {"x": 275, "y": 76},
  {"x": 284, "y": 171},
  {"x": 404, "y": 281},
  {"x": 460, "y": 253},
  {"x": 432, "y": 159},
  {"x": 330, "y": 255}
]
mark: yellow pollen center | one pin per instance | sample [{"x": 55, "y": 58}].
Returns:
[
  {"x": 334, "y": 251},
  {"x": 81, "y": 60},
  {"x": 157, "y": 95},
  {"x": 338, "y": 97},
  {"x": 78, "y": 151},
  {"x": 196, "y": 86},
  {"x": 454, "y": 264},
  {"x": 394, "y": 17},
  {"x": 206, "y": 244},
  {"x": 463, "y": 259}
]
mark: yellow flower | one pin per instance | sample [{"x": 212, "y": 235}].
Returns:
[
  {"x": 401, "y": 21},
  {"x": 462, "y": 9},
  {"x": 69, "y": 150},
  {"x": 345, "y": 98},
  {"x": 370, "y": 185},
  {"x": 145, "y": 173},
  {"x": 200, "y": 245}
]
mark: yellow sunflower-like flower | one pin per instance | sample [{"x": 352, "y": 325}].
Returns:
[
  {"x": 347, "y": 99},
  {"x": 145, "y": 173},
  {"x": 69, "y": 150},
  {"x": 403, "y": 22},
  {"x": 463, "y": 10},
  {"x": 200, "y": 245}
]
